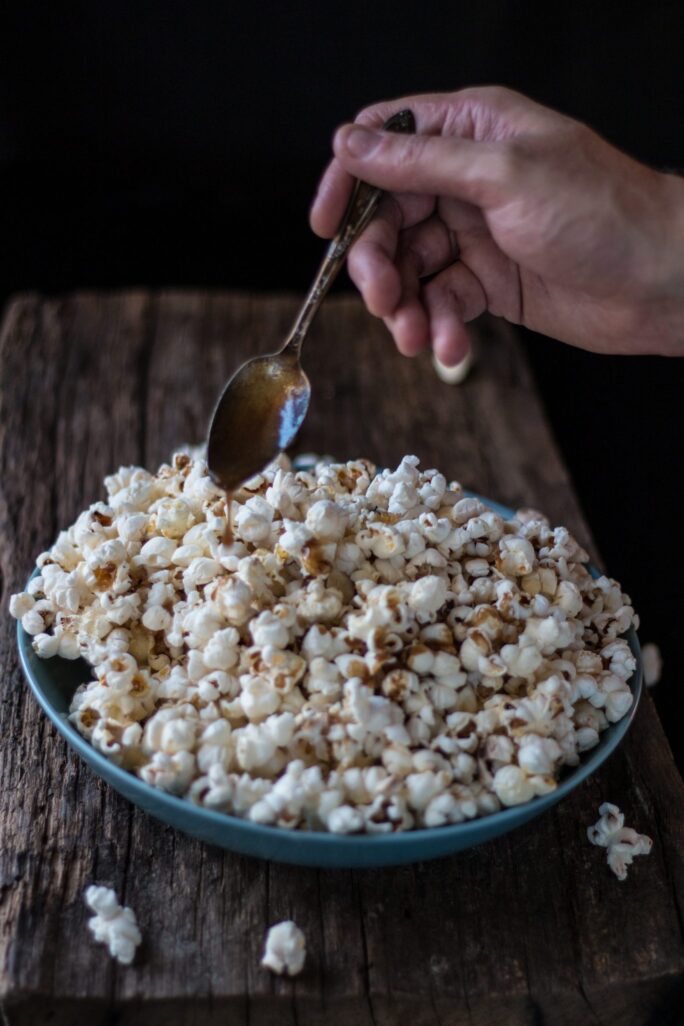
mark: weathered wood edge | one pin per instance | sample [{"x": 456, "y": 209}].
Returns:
[{"x": 670, "y": 831}]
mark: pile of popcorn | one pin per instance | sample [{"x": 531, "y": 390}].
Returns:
[{"x": 371, "y": 653}]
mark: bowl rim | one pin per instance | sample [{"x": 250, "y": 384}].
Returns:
[{"x": 176, "y": 805}]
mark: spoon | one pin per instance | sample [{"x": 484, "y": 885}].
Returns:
[{"x": 264, "y": 404}]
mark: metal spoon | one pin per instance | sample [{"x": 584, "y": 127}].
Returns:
[{"x": 264, "y": 404}]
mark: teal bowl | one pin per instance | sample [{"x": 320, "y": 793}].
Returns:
[{"x": 53, "y": 682}]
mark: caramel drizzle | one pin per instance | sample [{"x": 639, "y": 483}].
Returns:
[{"x": 227, "y": 537}]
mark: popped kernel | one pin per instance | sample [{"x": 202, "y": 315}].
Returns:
[
  {"x": 622, "y": 843},
  {"x": 113, "y": 924},
  {"x": 285, "y": 950},
  {"x": 653, "y": 664}
]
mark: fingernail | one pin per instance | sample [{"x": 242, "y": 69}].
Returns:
[{"x": 361, "y": 142}]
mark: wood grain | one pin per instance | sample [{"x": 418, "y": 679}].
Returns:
[{"x": 527, "y": 930}]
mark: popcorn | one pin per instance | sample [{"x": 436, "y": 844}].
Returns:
[
  {"x": 285, "y": 950},
  {"x": 513, "y": 786},
  {"x": 521, "y": 660},
  {"x": 269, "y": 629},
  {"x": 157, "y": 552},
  {"x": 428, "y": 595},
  {"x": 326, "y": 521},
  {"x": 221, "y": 651},
  {"x": 345, "y": 819},
  {"x": 234, "y": 600},
  {"x": 258, "y": 697},
  {"x": 619, "y": 657},
  {"x": 517, "y": 556},
  {"x": 622, "y": 843},
  {"x": 454, "y": 375},
  {"x": 46, "y": 645},
  {"x": 32, "y": 622},
  {"x": 172, "y": 773},
  {"x": 113, "y": 924},
  {"x": 539, "y": 755},
  {"x": 21, "y": 604},
  {"x": 422, "y": 788},
  {"x": 156, "y": 618},
  {"x": 174, "y": 518},
  {"x": 372, "y": 652},
  {"x": 652, "y": 662},
  {"x": 200, "y": 570}
]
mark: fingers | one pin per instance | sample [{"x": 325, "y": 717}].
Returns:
[
  {"x": 387, "y": 271},
  {"x": 409, "y": 323},
  {"x": 474, "y": 155},
  {"x": 483, "y": 114},
  {"x": 437, "y": 314},
  {"x": 431, "y": 245},
  {"x": 477, "y": 112},
  {"x": 332, "y": 196},
  {"x": 330, "y": 201},
  {"x": 409, "y": 328},
  {"x": 372, "y": 260},
  {"x": 451, "y": 299},
  {"x": 387, "y": 267},
  {"x": 479, "y": 173},
  {"x": 482, "y": 173}
]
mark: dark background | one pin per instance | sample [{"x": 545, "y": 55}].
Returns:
[{"x": 180, "y": 144}]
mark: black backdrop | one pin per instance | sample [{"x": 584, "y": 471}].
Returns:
[{"x": 180, "y": 143}]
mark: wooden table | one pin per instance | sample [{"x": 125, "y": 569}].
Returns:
[{"x": 528, "y": 930}]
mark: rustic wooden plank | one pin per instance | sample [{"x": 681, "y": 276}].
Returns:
[{"x": 525, "y": 930}]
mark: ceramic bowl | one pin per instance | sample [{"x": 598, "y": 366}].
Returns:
[{"x": 53, "y": 682}]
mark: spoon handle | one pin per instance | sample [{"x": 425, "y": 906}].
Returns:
[{"x": 360, "y": 209}]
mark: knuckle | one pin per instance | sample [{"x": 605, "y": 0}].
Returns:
[
  {"x": 406, "y": 151},
  {"x": 374, "y": 115},
  {"x": 574, "y": 132},
  {"x": 493, "y": 95},
  {"x": 500, "y": 94},
  {"x": 355, "y": 266},
  {"x": 512, "y": 156},
  {"x": 390, "y": 214}
]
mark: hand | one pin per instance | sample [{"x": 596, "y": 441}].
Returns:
[{"x": 500, "y": 204}]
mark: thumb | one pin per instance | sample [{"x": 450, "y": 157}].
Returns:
[{"x": 477, "y": 172}]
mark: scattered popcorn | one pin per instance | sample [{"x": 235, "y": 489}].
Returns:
[
  {"x": 285, "y": 950},
  {"x": 457, "y": 373},
  {"x": 113, "y": 924},
  {"x": 373, "y": 652},
  {"x": 652, "y": 662},
  {"x": 623, "y": 843}
]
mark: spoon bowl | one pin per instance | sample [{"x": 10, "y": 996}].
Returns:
[{"x": 258, "y": 415}]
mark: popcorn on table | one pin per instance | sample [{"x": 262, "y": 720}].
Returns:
[
  {"x": 652, "y": 662},
  {"x": 372, "y": 653},
  {"x": 285, "y": 950},
  {"x": 113, "y": 924},
  {"x": 455, "y": 374},
  {"x": 623, "y": 844}
]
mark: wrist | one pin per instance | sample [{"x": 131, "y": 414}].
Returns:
[{"x": 661, "y": 306}]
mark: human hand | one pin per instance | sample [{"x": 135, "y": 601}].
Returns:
[{"x": 500, "y": 204}]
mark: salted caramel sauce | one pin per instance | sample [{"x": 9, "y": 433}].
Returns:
[{"x": 227, "y": 536}]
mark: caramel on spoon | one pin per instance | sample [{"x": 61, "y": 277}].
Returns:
[{"x": 264, "y": 404}]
